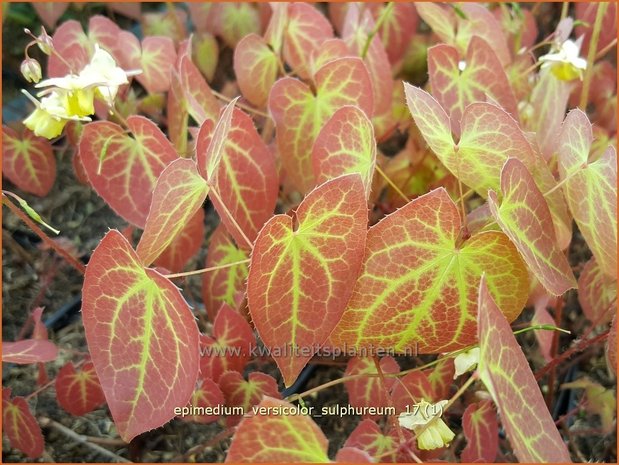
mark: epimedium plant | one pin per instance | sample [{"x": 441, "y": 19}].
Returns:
[{"x": 433, "y": 250}]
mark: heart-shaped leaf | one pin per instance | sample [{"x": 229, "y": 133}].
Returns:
[
  {"x": 299, "y": 114},
  {"x": 123, "y": 169},
  {"x": 597, "y": 292},
  {"x": 481, "y": 431},
  {"x": 506, "y": 373},
  {"x": 246, "y": 394},
  {"x": 345, "y": 145},
  {"x": 524, "y": 216},
  {"x": 369, "y": 391},
  {"x": 206, "y": 395},
  {"x": 255, "y": 67},
  {"x": 20, "y": 426},
  {"x": 142, "y": 336},
  {"x": 382, "y": 447},
  {"x": 201, "y": 103},
  {"x": 185, "y": 245},
  {"x": 273, "y": 435},
  {"x": 417, "y": 288},
  {"x": 79, "y": 392},
  {"x": 179, "y": 193},
  {"x": 307, "y": 264},
  {"x": 155, "y": 56},
  {"x": 28, "y": 161}
]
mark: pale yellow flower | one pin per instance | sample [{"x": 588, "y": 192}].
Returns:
[
  {"x": 425, "y": 420},
  {"x": 466, "y": 361},
  {"x": 565, "y": 63},
  {"x": 50, "y": 116}
]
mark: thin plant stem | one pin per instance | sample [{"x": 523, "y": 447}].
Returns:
[
  {"x": 216, "y": 195},
  {"x": 564, "y": 10},
  {"x": 606, "y": 49},
  {"x": 247, "y": 108},
  {"x": 392, "y": 184},
  {"x": 593, "y": 45},
  {"x": 71, "y": 260},
  {"x": 377, "y": 25},
  {"x": 207, "y": 270}
]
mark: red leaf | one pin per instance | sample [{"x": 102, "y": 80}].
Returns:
[
  {"x": 368, "y": 436},
  {"x": 299, "y": 113},
  {"x": 39, "y": 331},
  {"x": 179, "y": 193},
  {"x": 417, "y": 287},
  {"x": 411, "y": 390},
  {"x": 441, "y": 378},
  {"x": 245, "y": 179},
  {"x": 29, "y": 351},
  {"x": 306, "y": 265},
  {"x": 202, "y": 104},
  {"x": 368, "y": 391},
  {"x": 50, "y": 12},
  {"x": 185, "y": 245},
  {"x": 155, "y": 57},
  {"x": 524, "y": 216},
  {"x": 142, "y": 336},
  {"x": 28, "y": 161},
  {"x": 235, "y": 20},
  {"x": 597, "y": 293},
  {"x": 506, "y": 373},
  {"x": 255, "y": 67},
  {"x": 122, "y": 169},
  {"x": 353, "y": 455},
  {"x": 206, "y": 395},
  {"x": 306, "y": 29},
  {"x": 79, "y": 392},
  {"x": 230, "y": 347},
  {"x": 544, "y": 338},
  {"x": 481, "y": 431},
  {"x": 223, "y": 285},
  {"x": 246, "y": 394},
  {"x": 274, "y": 436},
  {"x": 73, "y": 45},
  {"x": 345, "y": 145},
  {"x": 20, "y": 425}
]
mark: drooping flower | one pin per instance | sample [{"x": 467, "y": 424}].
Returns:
[
  {"x": 425, "y": 420},
  {"x": 466, "y": 361},
  {"x": 565, "y": 61},
  {"x": 50, "y": 116},
  {"x": 31, "y": 70}
]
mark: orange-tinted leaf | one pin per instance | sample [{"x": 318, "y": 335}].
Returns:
[
  {"x": 417, "y": 289},
  {"x": 352, "y": 455},
  {"x": 441, "y": 378},
  {"x": 29, "y": 351},
  {"x": 206, "y": 395},
  {"x": 367, "y": 436},
  {"x": 20, "y": 425},
  {"x": 211, "y": 143},
  {"x": 368, "y": 391},
  {"x": 235, "y": 20},
  {"x": 226, "y": 284},
  {"x": 255, "y": 67},
  {"x": 230, "y": 347},
  {"x": 39, "y": 330},
  {"x": 596, "y": 293},
  {"x": 79, "y": 392},
  {"x": 482, "y": 76},
  {"x": 169, "y": 23},
  {"x": 177, "y": 114},
  {"x": 155, "y": 56},
  {"x": 345, "y": 145},
  {"x": 179, "y": 193},
  {"x": 441, "y": 20},
  {"x": 185, "y": 245},
  {"x": 142, "y": 336},
  {"x": 590, "y": 189},
  {"x": 524, "y": 216},
  {"x": 544, "y": 338},
  {"x": 271, "y": 435},
  {"x": 506, "y": 373},
  {"x": 246, "y": 394},
  {"x": 201, "y": 103},
  {"x": 73, "y": 45},
  {"x": 245, "y": 179},
  {"x": 411, "y": 390},
  {"x": 122, "y": 169},
  {"x": 306, "y": 29},
  {"x": 397, "y": 28},
  {"x": 481, "y": 431},
  {"x": 50, "y": 12},
  {"x": 304, "y": 265},
  {"x": 299, "y": 114},
  {"x": 28, "y": 161}
]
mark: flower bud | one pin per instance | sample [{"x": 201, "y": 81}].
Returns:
[
  {"x": 45, "y": 43},
  {"x": 31, "y": 70}
]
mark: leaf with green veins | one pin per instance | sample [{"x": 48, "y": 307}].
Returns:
[
  {"x": 245, "y": 177},
  {"x": 234, "y": 20},
  {"x": 142, "y": 337},
  {"x": 590, "y": 189},
  {"x": 441, "y": 378},
  {"x": 489, "y": 138},
  {"x": 368, "y": 391},
  {"x": 417, "y": 288},
  {"x": 368, "y": 437},
  {"x": 127, "y": 177},
  {"x": 179, "y": 193},
  {"x": 345, "y": 145},
  {"x": 201, "y": 103},
  {"x": 524, "y": 216},
  {"x": 28, "y": 351},
  {"x": 305, "y": 31},
  {"x": 225, "y": 285},
  {"x": 411, "y": 390},
  {"x": 20, "y": 426},
  {"x": 255, "y": 68},
  {"x": 212, "y": 142},
  {"x": 246, "y": 394},
  {"x": 273, "y": 436},
  {"x": 155, "y": 56},
  {"x": 506, "y": 373},
  {"x": 79, "y": 391},
  {"x": 596, "y": 293},
  {"x": 185, "y": 245},
  {"x": 481, "y": 431},
  {"x": 300, "y": 114},
  {"x": 482, "y": 76},
  {"x": 28, "y": 161},
  {"x": 207, "y": 394},
  {"x": 306, "y": 265}
]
